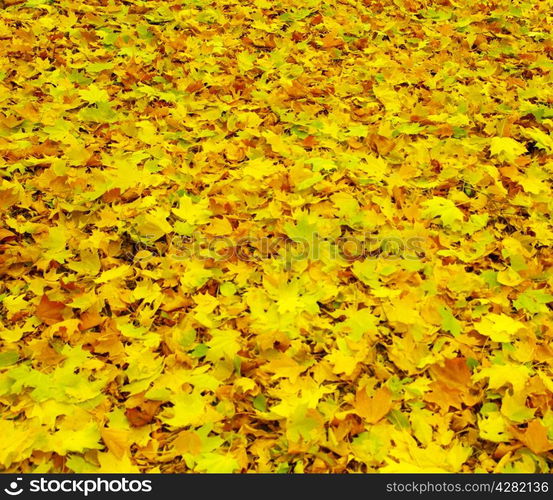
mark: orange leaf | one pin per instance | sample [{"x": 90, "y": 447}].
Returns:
[
  {"x": 49, "y": 311},
  {"x": 374, "y": 408},
  {"x": 444, "y": 130},
  {"x": 5, "y": 234},
  {"x": 188, "y": 442},
  {"x": 309, "y": 141},
  {"x": 534, "y": 437},
  {"x": 455, "y": 373},
  {"x": 444, "y": 396},
  {"x": 194, "y": 86},
  {"x": 330, "y": 41},
  {"x": 90, "y": 319}
]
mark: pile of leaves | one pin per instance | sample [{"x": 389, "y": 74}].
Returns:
[{"x": 276, "y": 236}]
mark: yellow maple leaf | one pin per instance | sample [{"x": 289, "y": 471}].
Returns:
[
  {"x": 499, "y": 327},
  {"x": 506, "y": 148}
]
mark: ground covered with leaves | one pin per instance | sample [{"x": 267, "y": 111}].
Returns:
[{"x": 276, "y": 236}]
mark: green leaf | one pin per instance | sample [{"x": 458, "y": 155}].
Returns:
[
  {"x": 227, "y": 289},
  {"x": 260, "y": 402},
  {"x": 199, "y": 351},
  {"x": 8, "y": 358},
  {"x": 533, "y": 301},
  {"x": 398, "y": 419},
  {"x": 449, "y": 322}
]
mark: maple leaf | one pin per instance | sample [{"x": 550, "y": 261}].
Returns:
[
  {"x": 509, "y": 277},
  {"x": 443, "y": 208},
  {"x": 493, "y": 427},
  {"x": 506, "y": 148},
  {"x": 55, "y": 245},
  {"x": 216, "y": 463},
  {"x": 88, "y": 265},
  {"x": 142, "y": 415},
  {"x": 499, "y": 327},
  {"x": 455, "y": 373},
  {"x": 49, "y": 311},
  {"x": 189, "y": 409},
  {"x": 193, "y": 213},
  {"x": 188, "y": 442},
  {"x": 499, "y": 375},
  {"x": 307, "y": 242},
  {"x": 543, "y": 140},
  {"x": 534, "y": 437},
  {"x": 514, "y": 407},
  {"x": 118, "y": 272},
  {"x": 533, "y": 301},
  {"x": 449, "y": 322},
  {"x": 224, "y": 344},
  {"x": 373, "y": 408},
  {"x": 117, "y": 441},
  {"x": 67, "y": 440},
  {"x": 112, "y": 463},
  {"x": 94, "y": 94}
]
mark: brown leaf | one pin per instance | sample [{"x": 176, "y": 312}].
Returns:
[
  {"x": 137, "y": 417},
  {"x": 143, "y": 414}
]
